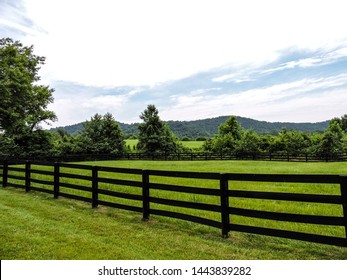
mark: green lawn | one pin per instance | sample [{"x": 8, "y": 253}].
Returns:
[
  {"x": 35, "y": 226},
  {"x": 188, "y": 144},
  {"x": 227, "y": 166},
  {"x": 194, "y": 145},
  {"x": 131, "y": 143}
]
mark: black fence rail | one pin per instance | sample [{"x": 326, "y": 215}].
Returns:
[
  {"x": 193, "y": 156},
  {"x": 146, "y": 192}
]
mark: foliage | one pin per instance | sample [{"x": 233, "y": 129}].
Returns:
[
  {"x": 101, "y": 135},
  {"x": 26, "y": 143},
  {"x": 23, "y": 102},
  {"x": 292, "y": 142},
  {"x": 233, "y": 139},
  {"x": 342, "y": 122},
  {"x": 332, "y": 140},
  {"x": 249, "y": 143},
  {"x": 227, "y": 140},
  {"x": 154, "y": 134}
]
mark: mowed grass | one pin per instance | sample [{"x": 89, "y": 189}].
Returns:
[
  {"x": 36, "y": 226},
  {"x": 194, "y": 145}
]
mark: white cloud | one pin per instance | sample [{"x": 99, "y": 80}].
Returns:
[
  {"x": 105, "y": 102},
  {"x": 273, "y": 103},
  {"x": 135, "y": 42},
  {"x": 108, "y": 43},
  {"x": 324, "y": 59},
  {"x": 236, "y": 77}
]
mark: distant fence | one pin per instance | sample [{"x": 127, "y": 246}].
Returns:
[
  {"x": 98, "y": 188},
  {"x": 237, "y": 156},
  {"x": 299, "y": 157}
]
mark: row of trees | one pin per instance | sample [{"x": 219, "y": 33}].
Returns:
[
  {"x": 232, "y": 138},
  {"x": 102, "y": 135}
]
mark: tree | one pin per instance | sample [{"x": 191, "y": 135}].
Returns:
[
  {"x": 23, "y": 101},
  {"x": 101, "y": 135},
  {"x": 227, "y": 141},
  {"x": 23, "y": 142},
  {"x": 231, "y": 127},
  {"x": 342, "y": 122},
  {"x": 249, "y": 143},
  {"x": 332, "y": 141},
  {"x": 291, "y": 142},
  {"x": 154, "y": 134}
]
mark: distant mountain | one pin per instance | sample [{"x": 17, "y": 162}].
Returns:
[{"x": 209, "y": 127}]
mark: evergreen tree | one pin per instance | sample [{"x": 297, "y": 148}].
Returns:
[
  {"x": 227, "y": 140},
  {"x": 231, "y": 127},
  {"x": 101, "y": 135},
  {"x": 154, "y": 134}
]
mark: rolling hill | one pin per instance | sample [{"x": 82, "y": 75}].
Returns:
[{"x": 209, "y": 127}]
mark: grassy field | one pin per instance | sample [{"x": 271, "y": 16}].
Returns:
[
  {"x": 36, "y": 226},
  {"x": 194, "y": 145},
  {"x": 188, "y": 144},
  {"x": 131, "y": 143}
]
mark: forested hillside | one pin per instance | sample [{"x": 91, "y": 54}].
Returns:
[{"x": 209, "y": 127}]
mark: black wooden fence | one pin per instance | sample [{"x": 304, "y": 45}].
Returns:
[
  {"x": 98, "y": 187},
  {"x": 193, "y": 156}
]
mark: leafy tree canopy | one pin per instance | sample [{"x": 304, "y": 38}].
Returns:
[
  {"x": 102, "y": 135},
  {"x": 23, "y": 101}
]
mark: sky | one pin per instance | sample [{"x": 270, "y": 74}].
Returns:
[{"x": 192, "y": 59}]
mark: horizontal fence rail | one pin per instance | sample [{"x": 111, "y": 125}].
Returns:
[{"x": 145, "y": 192}]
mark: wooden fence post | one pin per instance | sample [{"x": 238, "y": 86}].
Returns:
[
  {"x": 56, "y": 179},
  {"x": 5, "y": 173},
  {"x": 224, "y": 200},
  {"x": 343, "y": 188},
  {"x": 145, "y": 195},
  {"x": 95, "y": 193},
  {"x": 27, "y": 175}
]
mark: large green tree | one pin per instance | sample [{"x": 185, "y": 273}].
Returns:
[
  {"x": 23, "y": 101},
  {"x": 155, "y": 135},
  {"x": 101, "y": 135}
]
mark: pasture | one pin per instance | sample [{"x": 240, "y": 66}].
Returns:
[
  {"x": 193, "y": 145},
  {"x": 176, "y": 239}
]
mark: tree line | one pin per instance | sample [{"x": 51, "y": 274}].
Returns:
[
  {"x": 232, "y": 138},
  {"x": 24, "y": 105}
]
